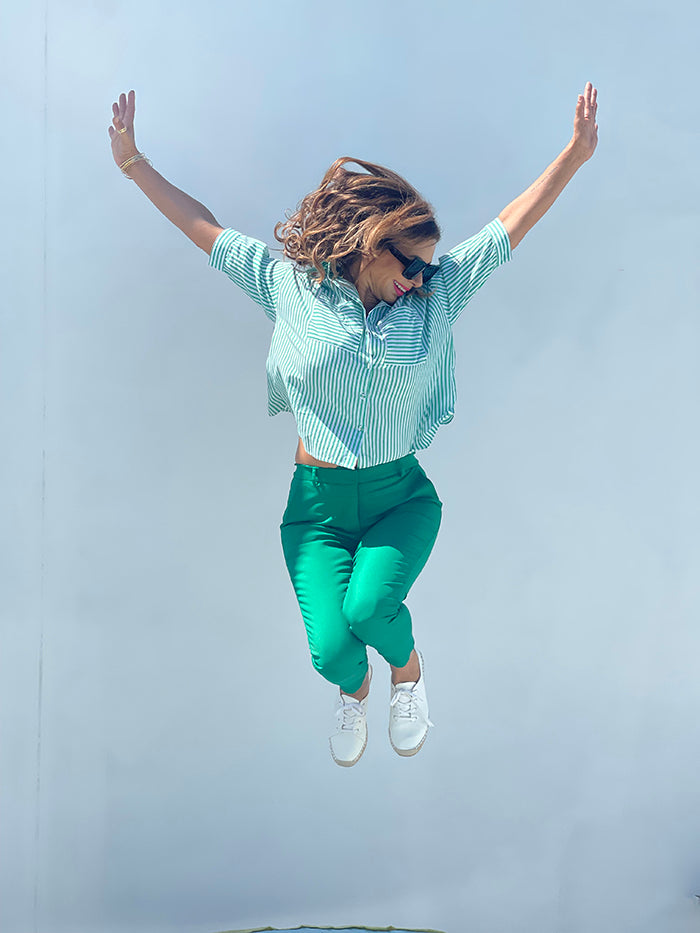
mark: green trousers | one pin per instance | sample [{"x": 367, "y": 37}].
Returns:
[{"x": 354, "y": 542}]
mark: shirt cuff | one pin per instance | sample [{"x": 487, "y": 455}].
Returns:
[
  {"x": 501, "y": 239},
  {"x": 220, "y": 246}
]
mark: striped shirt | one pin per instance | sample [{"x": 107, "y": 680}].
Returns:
[{"x": 364, "y": 387}]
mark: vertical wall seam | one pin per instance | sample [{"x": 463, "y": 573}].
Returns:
[{"x": 42, "y": 531}]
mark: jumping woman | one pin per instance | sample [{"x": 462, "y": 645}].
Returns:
[{"x": 362, "y": 356}]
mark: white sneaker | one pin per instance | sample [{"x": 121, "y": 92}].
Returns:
[
  {"x": 408, "y": 715},
  {"x": 350, "y": 739}
]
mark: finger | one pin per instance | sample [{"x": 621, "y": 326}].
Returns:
[
  {"x": 130, "y": 108},
  {"x": 122, "y": 105},
  {"x": 119, "y": 126}
]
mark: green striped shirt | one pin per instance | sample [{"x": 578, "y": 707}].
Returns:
[{"x": 364, "y": 387}]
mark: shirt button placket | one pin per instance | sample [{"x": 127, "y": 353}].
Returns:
[{"x": 367, "y": 375}]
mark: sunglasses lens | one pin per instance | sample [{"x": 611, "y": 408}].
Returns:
[{"x": 414, "y": 268}]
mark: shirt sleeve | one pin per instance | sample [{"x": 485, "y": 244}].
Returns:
[
  {"x": 466, "y": 267},
  {"x": 248, "y": 263}
]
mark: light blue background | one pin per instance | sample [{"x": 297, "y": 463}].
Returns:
[{"x": 164, "y": 757}]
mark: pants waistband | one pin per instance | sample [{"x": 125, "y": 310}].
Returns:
[{"x": 346, "y": 477}]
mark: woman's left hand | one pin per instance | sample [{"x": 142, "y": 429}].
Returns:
[{"x": 585, "y": 137}]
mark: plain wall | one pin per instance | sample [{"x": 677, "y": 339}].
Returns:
[{"x": 164, "y": 762}]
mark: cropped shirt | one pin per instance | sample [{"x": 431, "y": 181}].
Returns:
[{"x": 364, "y": 387}]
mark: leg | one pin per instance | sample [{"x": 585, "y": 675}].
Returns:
[
  {"x": 387, "y": 562},
  {"x": 319, "y": 565}
]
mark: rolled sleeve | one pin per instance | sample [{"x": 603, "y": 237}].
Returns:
[
  {"x": 466, "y": 267},
  {"x": 247, "y": 262}
]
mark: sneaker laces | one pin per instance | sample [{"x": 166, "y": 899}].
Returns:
[
  {"x": 351, "y": 715},
  {"x": 407, "y": 702}
]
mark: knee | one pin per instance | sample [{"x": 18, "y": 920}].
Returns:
[{"x": 367, "y": 610}]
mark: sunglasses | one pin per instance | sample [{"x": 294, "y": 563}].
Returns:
[{"x": 413, "y": 267}]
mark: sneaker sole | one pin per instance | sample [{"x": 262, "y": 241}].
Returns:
[
  {"x": 407, "y": 752},
  {"x": 349, "y": 764}
]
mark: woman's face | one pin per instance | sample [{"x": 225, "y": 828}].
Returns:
[{"x": 382, "y": 278}]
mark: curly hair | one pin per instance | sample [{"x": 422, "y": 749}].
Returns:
[{"x": 351, "y": 215}]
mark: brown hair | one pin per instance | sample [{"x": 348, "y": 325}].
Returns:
[{"x": 353, "y": 214}]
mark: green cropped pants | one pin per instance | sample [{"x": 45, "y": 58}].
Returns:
[{"x": 354, "y": 542}]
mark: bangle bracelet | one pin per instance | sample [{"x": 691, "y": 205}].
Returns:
[{"x": 135, "y": 158}]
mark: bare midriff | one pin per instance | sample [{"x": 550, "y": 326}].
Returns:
[{"x": 303, "y": 457}]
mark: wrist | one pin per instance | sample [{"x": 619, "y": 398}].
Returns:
[
  {"x": 128, "y": 152},
  {"x": 575, "y": 154},
  {"x": 128, "y": 164}
]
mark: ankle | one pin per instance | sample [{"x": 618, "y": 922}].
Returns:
[
  {"x": 409, "y": 673},
  {"x": 362, "y": 693}
]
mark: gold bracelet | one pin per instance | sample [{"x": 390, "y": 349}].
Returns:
[{"x": 135, "y": 158}]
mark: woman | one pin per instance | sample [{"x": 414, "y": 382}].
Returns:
[{"x": 362, "y": 355}]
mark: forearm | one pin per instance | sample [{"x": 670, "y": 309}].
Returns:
[
  {"x": 189, "y": 215},
  {"x": 524, "y": 212}
]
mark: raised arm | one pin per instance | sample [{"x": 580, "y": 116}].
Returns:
[
  {"x": 524, "y": 212},
  {"x": 189, "y": 215}
]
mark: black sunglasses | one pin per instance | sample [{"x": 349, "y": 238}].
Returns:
[{"x": 413, "y": 267}]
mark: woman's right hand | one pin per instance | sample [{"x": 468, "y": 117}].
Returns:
[{"x": 123, "y": 143}]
